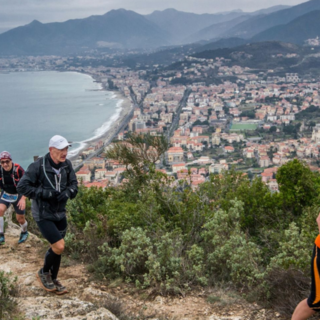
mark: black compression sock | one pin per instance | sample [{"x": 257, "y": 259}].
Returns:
[
  {"x": 55, "y": 267},
  {"x": 51, "y": 261}
]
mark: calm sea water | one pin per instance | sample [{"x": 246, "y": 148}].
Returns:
[{"x": 34, "y": 106}]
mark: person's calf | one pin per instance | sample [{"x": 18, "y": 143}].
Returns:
[{"x": 21, "y": 219}]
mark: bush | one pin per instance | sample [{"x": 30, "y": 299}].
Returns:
[
  {"x": 7, "y": 291},
  {"x": 168, "y": 237},
  {"x": 231, "y": 256},
  {"x": 144, "y": 260}
]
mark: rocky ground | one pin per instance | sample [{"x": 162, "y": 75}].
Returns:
[{"x": 89, "y": 299}]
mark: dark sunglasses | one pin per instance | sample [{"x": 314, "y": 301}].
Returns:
[{"x": 5, "y": 162}]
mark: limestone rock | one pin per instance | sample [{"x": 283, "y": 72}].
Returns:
[{"x": 101, "y": 314}]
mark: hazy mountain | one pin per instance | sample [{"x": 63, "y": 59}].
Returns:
[
  {"x": 257, "y": 24},
  {"x": 296, "y": 31},
  {"x": 117, "y": 28},
  {"x": 217, "y": 29},
  {"x": 270, "y": 10},
  {"x": 182, "y": 24},
  {"x": 214, "y": 30}
]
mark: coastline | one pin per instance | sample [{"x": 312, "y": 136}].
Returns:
[{"x": 124, "y": 107}]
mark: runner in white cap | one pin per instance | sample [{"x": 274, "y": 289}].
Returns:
[{"x": 50, "y": 182}]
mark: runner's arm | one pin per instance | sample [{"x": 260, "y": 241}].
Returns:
[
  {"x": 27, "y": 185},
  {"x": 318, "y": 222},
  {"x": 72, "y": 185}
]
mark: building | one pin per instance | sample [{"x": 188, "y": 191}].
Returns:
[
  {"x": 292, "y": 77},
  {"x": 175, "y": 155},
  {"x": 316, "y": 133},
  {"x": 84, "y": 175}
]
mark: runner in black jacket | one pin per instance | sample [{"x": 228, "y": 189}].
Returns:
[
  {"x": 10, "y": 174},
  {"x": 50, "y": 182}
]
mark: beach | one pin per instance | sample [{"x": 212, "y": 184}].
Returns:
[{"x": 111, "y": 128}]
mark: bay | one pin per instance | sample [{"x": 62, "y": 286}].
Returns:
[{"x": 34, "y": 106}]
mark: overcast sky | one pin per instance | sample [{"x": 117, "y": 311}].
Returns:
[{"x": 14, "y": 13}]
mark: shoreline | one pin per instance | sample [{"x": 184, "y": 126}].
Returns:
[
  {"x": 107, "y": 130},
  {"x": 124, "y": 104}
]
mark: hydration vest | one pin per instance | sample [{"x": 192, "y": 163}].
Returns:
[{"x": 15, "y": 174}]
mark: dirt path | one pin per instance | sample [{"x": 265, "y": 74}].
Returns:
[{"x": 89, "y": 300}]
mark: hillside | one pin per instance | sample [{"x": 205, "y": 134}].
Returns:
[
  {"x": 222, "y": 43},
  {"x": 215, "y": 30},
  {"x": 260, "y": 55},
  {"x": 296, "y": 31},
  {"x": 182, "y": 24},
  {"x": 117, "y": 28},
  {"x": 257, "y": 24},
  {"x": 91, "y": 299}
]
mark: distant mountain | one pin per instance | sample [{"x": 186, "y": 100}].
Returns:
[
  {"x": 215, "y": 30},
  {"x": 182, "y": 24},
  {"x": 270, "y": 10},
  {"x": 117, "y": 28},
  {"x": 257, "y": 24},
  {"x": 296, "y": 31}
]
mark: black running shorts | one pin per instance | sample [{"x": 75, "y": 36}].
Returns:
[
  {"x": 15, "y": 204},
  {"x": 53, "y": 231},
  {"x": 314, "y": 298}
]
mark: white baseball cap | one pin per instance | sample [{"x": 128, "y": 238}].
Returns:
[{"x": 59, "y": 142}]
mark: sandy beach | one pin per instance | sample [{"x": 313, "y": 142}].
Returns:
[{"x": 126, "y": 107}]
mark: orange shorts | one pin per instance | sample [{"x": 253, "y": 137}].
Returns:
[{"x": 314, "y": 298}]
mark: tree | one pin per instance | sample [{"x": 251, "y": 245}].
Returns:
[
  {"x": 298, "y": 185},
  {"x": 138, "y": 153},
  {"x": 273, "y": 129}
]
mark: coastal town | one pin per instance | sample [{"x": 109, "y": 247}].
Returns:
[{"x": 252, "y": 121}]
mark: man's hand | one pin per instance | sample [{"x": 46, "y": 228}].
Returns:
[
  {"x": 47, "y": 194},
  {"x": 22, "y": 203},
  {"x": 64, "y": 195}
]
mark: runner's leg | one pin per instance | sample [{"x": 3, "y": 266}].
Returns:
[
  {"x": 302, "y": 311},
  {"x": 53, "y": 231},
  {"x": 3, "y": 208},
  {"x": 58, "y": 247}
]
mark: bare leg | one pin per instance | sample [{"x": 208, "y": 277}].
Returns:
[
  {"x": 302, "y": 311},
  {"x": 21, "y": 218},
  {"x": 3, "y": 208}
]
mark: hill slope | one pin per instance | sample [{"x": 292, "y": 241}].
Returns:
[
  {"x": 257, "y": 24},
  {"x": 261, "y": 55},
  {"x": 182, "y": 24},
  {"x": 296, "y": 31},
  {"x": 214, "y": 30}
]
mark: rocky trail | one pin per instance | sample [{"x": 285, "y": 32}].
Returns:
[{"x": 90, "y": 300}]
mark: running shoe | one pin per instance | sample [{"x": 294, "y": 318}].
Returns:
[
  {"x": 60, "y": 288},
  {"x": 46, "y": 281},
  {"x": 2, "y": 241},
  {"x": 23, "y": 236}
]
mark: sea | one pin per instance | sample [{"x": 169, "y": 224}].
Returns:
[{"x": 34, "y": 106}]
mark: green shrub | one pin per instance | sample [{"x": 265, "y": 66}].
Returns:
[
  {"x": 8, "y": 290},
  {"x": 230, "y": 253}
]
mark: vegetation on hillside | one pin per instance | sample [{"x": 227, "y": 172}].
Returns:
[{"x": 231, "y": 230}]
